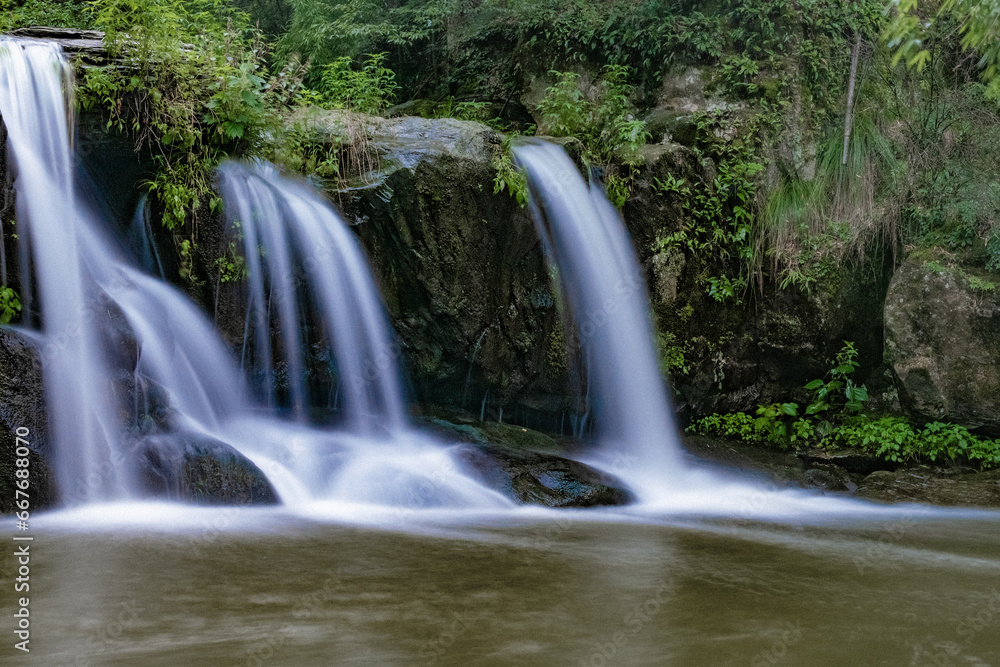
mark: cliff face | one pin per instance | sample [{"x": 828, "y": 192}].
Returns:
[{"x": 463, "y": 275}]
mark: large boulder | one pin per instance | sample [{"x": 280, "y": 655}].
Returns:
[
  {"x": 943, "y": 341},
  {"x": 200, "y": 470}
]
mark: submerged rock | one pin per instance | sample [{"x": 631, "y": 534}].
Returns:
[
  {"x": 521, "y": 464},
  {"x": 201, "y": 470},
  {"x": 942, "y": 333},
  {"x": 542, "y": 479}
]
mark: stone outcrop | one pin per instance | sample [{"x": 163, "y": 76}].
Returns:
[
  {"x": 943, "y": 342},
  {"x": 84, "y": 46},
  {"x": 460, "y": 268}
]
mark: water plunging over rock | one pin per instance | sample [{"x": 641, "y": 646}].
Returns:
[
  {"x": 105, "y": 325},
  {"x": 584, "y": 237}
]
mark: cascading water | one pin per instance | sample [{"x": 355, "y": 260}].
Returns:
[
  {"x": 87, "y": 290},
  {"x": 34, "y": 82},
  {"x": 114, "y": 340},
  {"x": 283, "y": 225},
  {"x": 377, "y": 458},
  {"x": 584, "y": 237}
]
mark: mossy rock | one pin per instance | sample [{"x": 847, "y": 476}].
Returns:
[{"x": 943, "y": 341}]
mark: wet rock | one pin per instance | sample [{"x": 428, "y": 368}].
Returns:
[
  {"x": 87, "y": 46},
  {"x": 851, "y": 460},
  {"x": 925, "y": 484},
  {"x": 782, "y": 468},
  {"x": 507, "y": 458},
  {"x": 943, "y": 343},
  {"x": 829, "y": 478},
  {"x": 22, "y": 406},
  {"x": 200, "y": 470},
  {"x": 542, "y": 479}
]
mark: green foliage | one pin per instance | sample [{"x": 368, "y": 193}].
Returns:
[
  {"x": 894, "y": 439},
  {"x": 20, "y": 13},
  {"x": 779, "y": 425},
  {"x": 232, "y": 267},
  {"x": 776, "y": 425},
  {"x": 302, "y": 152},
  {"x": 370, "y": 89},
  {"x": 993, "y": 251},
  {"x": 735, "y": 425},
  {"x": 786, "y": 424},
  {"x": 837, "y": 391},
  {"x": 323, "y": 31},
  {"x": 509, "y": 177},
  {"x": 671, "y": 353},
  {"x": 606, "y": 126},
  {"x": 910, "y": 31},
  {"x": 978, "y": 284},
  {"x": 810, "y": 227},
  {"x": 738, "y": 76},
  {"x": 191, "y": 86},
  {"x": 889, "y": 438},
  {"x": 717, "y": 219},
  {"x": 10, "y": 304}
]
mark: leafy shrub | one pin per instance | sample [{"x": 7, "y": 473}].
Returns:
[
  {"x": 370, "y": 89},
  {"x": 891, "y": 438},
  {"x": 66, "y": 14},
  {"x": 194, "y": 90},
  {"x": 606, "y": 127},
  {"x": 10, "y": 304}
]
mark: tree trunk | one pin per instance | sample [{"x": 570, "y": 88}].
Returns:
[{"x": 849, "y": 118}]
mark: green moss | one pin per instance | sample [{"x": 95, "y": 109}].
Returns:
[{"x": 517, "y": 436}]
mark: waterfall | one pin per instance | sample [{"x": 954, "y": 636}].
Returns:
[
  {"x": 287, "y": 229},
  {"x": 95, "y": 307},
  {"x": 111, "y": 332},
  {"x": 34, "y": 84},
  {"x": 584, "y": 237}
]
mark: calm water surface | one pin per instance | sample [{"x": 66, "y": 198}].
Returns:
[{"x": 240, "y": 587}]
